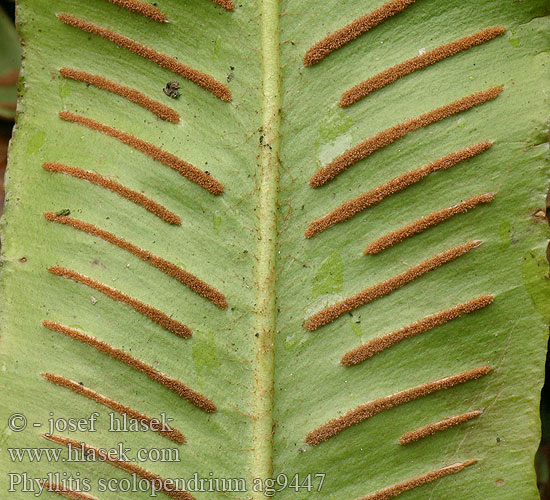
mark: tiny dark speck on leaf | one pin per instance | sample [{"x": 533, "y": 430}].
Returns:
[
  {"x": 23, "y": 260},
  {"x": 63, "y": 212},
  {"x": 172, "y": 89}
]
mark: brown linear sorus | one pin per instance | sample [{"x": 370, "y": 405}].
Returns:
[
  {"x": 409, "y": 484},
  {"x": 64, "y": 492},
  {"x": 182, "y": 390},
  {"x": 379, "y": 344},
  {"x": 361, "y": 25},
  {"x": 133, "y": 196},
  {"x": 184, "y": 168},
  {"x": 392, "y": 134},
  {"x": 226, "y": 4},
  {"x": 132, "y": 95},
  {"x": 152, "y": 423},
  {"x": 426, "y": 222},
  {"x": 400, "y": 70},
  {"x": 201, "y": 79},
  {"x": 370, "y": 198},
  {"x": 153, "y": 314},
  {"x": 442, "y": 425},
  {"x": 196, "y": 284},
  {"x": 142, "y": 8},
  {"x": 376, "y": 406},
  {"x": 165, "y": 485},
  {"x": 371, "y": 293}
]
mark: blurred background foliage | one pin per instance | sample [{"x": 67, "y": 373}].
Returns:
[{"x": 9, "y": 61}]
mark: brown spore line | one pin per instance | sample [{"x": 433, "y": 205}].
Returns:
[
  {"x": 426, "y": 222},
  {"x": 132, "y": 95},
  {"x": 379, "y": 344},
  {"x": 191, "y": 281},
  {"x": 201, "y": 79},
  {"x": 91, "y": 452},
  {"x": 430, "y": 429},
  {"x": 64, "y": 492},
  {"x": 376, "y": 406},
  {"x": 226, "y": 4},
  {"x": 142, "y": 8},
  {"x": 405, "y": 68},
  {"x": 153, "y": 424},
  {"x": 392, "y": 134},
  {"x": 181, "y": 389},
  {"x": 371, "y": 293},
  {"x": 350, "y": 32},
  {"x": 104, "y": 182},
  {"x": 153, "y": 314},
  {"x": 415, "y": 482},
  {"x": 184, "y": 168},
  {"x": 374, "y": 196}
]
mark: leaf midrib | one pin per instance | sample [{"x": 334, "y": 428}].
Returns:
[{"x": 265, "y": 317}]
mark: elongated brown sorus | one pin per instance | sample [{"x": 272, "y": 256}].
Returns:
[
  {"x": 353, "y": 30},
  {"x": 184, "y": 168},
  {"x": 379, "y": 344},
  {"x": 133, "y": 95},
  {"x": 390, "y": 135},
  {"x": 226, "y": 4},
  {"x": 409, "y": 484},
  {"x": 153, "y": 423},
  {"x": 400, "y": 70},
  {"x": 368, "y": 410},
  {"x": 187, "y": 279},
  {"x": 426, "y": 222},
  {"x": 442, "y": 425},
  {"x": 370, "y": 198},
  {"x": 133, "y": 196},
  {"x": 150, "y": 312},
  {"x": 61, "y": 491},
  {"x": 142, "y": 8},
  {"x": 203, "y": 80},
  {"x": 386, "y": 287},
  {"x": 164, "y": 485},
  {"x": 182, "y": 390}
]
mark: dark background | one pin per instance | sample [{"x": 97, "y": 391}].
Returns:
[{"x": 542, "y": 461}]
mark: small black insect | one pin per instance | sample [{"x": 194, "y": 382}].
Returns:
[
  {"x": 172, "y": 90},
  {"x": 63, "y": 213}
]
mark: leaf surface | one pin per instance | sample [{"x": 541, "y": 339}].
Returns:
[{"x": 274, "y": 381}]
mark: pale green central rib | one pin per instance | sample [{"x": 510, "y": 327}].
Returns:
[{"x": 266, "y": 250}]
